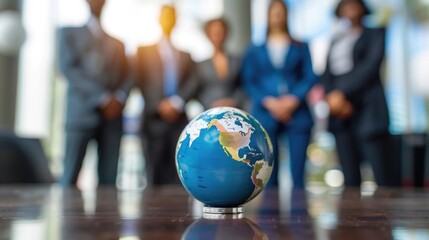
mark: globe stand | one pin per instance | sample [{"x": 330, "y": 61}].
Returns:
[{"x": 223, "y": 212}]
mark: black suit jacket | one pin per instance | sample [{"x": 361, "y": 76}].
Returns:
[
  {"x": 150, "y": 79},
  {"x": 362, "y": 86}
]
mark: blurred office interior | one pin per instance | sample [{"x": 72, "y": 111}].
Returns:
[
  {"x": 32, "y": 89},
  {"x": 32, "y": 93}
]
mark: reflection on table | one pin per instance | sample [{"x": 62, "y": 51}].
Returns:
[{"x": 50, "y": 212}]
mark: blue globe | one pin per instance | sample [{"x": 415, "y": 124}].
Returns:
[{"x": 224, "y": 157}]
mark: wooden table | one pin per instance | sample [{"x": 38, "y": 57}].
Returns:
[{"x": 50, "y": 212}]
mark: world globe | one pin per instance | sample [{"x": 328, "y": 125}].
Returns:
[{"x": 224, "y": 157}]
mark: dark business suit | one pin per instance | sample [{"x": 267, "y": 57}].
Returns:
[
  {"x": 94, "y": 68},
  {"x": 296, "y": 77},
  {"x": 159, "y": 136},
  {"x": 211, "y": 88},
  {"x": 363, "y": 136}
]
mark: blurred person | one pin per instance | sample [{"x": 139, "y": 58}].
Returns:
[
  {"x": 277, "y": 76},
  {"x": 163, "y": 75},
  {"x": 95, "y": 66},
  {"x": 354, "y": 92},
  {"x": 218, "y": 77}
]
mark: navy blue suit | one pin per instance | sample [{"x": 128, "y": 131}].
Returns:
[{"x": 262, "y": 79}]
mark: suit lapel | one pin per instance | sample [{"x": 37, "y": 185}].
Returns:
[
  {"x": 155, "y": 56},
  {"x": 291, "y": 58},
  {"x": 108, "y": 48},
  {"x": 153, "y": 66},
  {"x": 265, "y": 58},
  {"x": 182, "y": 62},
  {"x": 360, "y": 44},
  {"x": 83, "y": 39}
]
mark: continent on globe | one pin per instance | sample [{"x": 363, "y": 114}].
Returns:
[{"x": 232, "y": 138}]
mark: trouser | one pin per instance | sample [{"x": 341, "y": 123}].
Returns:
[
  {"x": 297, "y": 148},
  {"x": 353, "y": 148},
  {"x": 108, "y": 137},
  {"x": 160, "y": 155}
]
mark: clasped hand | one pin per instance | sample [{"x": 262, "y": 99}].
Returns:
[
  {"x": 112, "y": 109},
  {"x": 338, "y": 104},
  {"x": 281, "y": 108},
  {"x": 167, "y": 111}
]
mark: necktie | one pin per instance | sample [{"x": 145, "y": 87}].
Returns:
[{"x": 170, "y": 71}]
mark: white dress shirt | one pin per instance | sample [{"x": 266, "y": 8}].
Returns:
[
  {"x": 341, "y": 57},
  {"x": 277, "y": 50},
  {"x": 94, "y": 27}
]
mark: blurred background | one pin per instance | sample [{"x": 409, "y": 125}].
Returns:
[{"x": 32, "y": 89}]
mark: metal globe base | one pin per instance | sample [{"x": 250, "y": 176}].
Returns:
[{"x": 223, "y": 212}]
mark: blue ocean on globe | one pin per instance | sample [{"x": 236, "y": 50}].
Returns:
[{"x": 224, "y": 157}]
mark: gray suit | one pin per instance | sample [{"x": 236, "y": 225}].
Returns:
[
  {"x": 94, "y": 68},
  {"x": 211, "y": 88},
  {"x": 159, "y": 136}
]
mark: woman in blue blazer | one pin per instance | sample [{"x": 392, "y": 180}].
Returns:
[{"x": 277, "y": 77}]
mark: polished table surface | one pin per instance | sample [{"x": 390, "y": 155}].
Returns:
[{"x": 51, "y": 212}]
